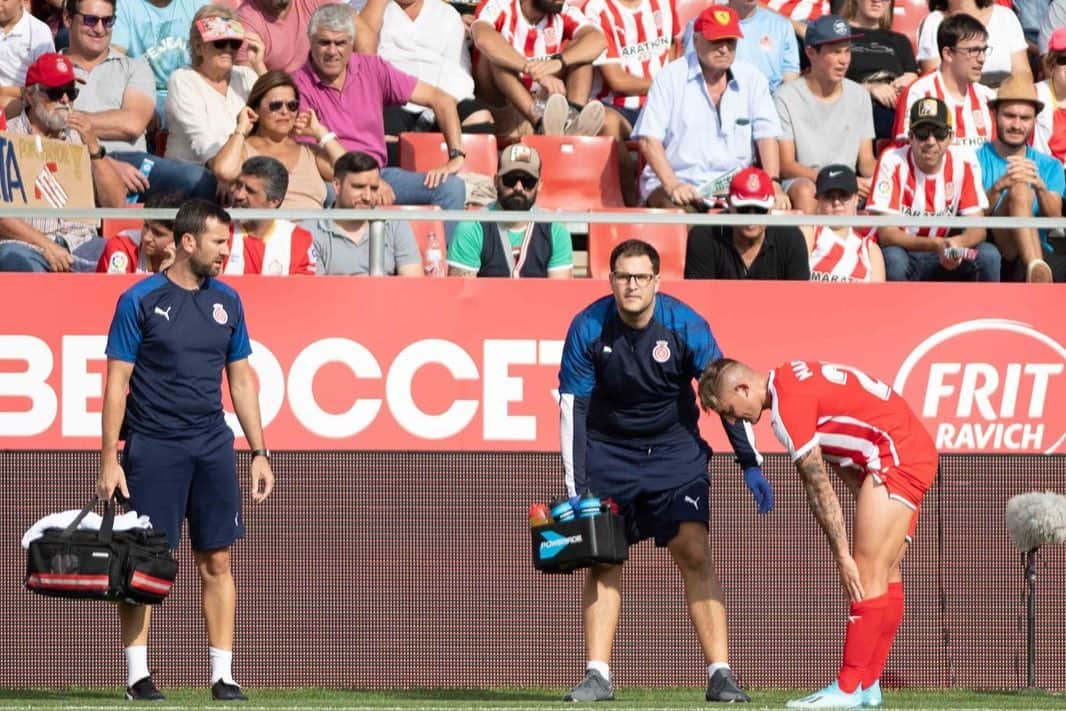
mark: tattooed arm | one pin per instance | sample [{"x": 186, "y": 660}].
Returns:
[{"x": 826, "y": 508}]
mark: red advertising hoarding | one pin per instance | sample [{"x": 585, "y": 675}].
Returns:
[{"x": 463, "y": 364}]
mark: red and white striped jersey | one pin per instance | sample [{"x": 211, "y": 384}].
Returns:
[
  {"x": 900, "y": 188},
  {"x": 971, "y": 119},
  {"x": 284, "y": 249},
  {"x": 857, "y": 420},
  {"x": 538, "y": 41},
  {"x": 122, "y": 254},
  {"x": 839, "y": 258},
  {"x": 799, "y": 9},
  {"x": 640, "y": 38}
]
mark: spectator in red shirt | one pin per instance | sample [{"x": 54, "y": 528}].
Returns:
[
  {"x": 147, "y": 250},
  {"x": 273, "y": 247},
  {"x": 532, "y": 50}
]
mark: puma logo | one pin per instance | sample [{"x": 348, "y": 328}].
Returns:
[
  {"x": 164, "y": 314},
  {"x": 694, "y": 501}
]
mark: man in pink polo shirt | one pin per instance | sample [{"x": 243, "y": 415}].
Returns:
[
  {"x": 349, "y": 91},
  {"x": 280, "y": 25}
]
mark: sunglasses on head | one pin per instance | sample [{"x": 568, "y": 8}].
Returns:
[
  {"x": 231, "y": 44},
  {"x": 275, "y": 106},
  {"x": 55, "y": 94},
  {"x": 93, "y": 20},
  {"x": 923, "y": 134},
  {"x": 752, "y": 210},
  {"x": 1060, "y": 60},
  {"x": 512, "y": 179}
]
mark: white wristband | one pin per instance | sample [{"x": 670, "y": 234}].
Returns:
[{"x": 326, "y": 139}]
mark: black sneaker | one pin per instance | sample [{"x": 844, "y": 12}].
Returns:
[
  {"x": 594, "y": 687},
  {"x": 144, "y": 690},
  {"x": 723, "y": 687},
  {"x": 221, "y": 691}
]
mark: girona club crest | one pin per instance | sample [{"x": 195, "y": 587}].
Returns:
[
  {"x": 661, "y": 352},
  {"x": 218, "y": 312}
]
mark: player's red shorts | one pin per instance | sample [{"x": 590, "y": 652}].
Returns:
[{"x": 908, "y": 485}]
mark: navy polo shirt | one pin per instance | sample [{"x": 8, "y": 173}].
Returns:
[{"x": 179, "y": 342}]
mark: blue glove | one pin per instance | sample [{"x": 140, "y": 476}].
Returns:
[{"x": 760, "y": 488}]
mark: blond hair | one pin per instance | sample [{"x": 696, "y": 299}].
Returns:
[
  {"x": 713, "y": 381},
  {"x": 196, "y": 42}
]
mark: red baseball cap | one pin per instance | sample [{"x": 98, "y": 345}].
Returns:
[
  {"x": 718, "y": 22},
  {"x": 51, "y": 69},
  {"x": 752, "y": 186}
]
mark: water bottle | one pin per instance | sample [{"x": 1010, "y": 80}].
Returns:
[
  {"x": 146, "y": 169},
  {"x": 539, "y": 515},
  {"x": 589, "y": 505},
  {"x": 434, "y": 257},
  {"x": 562, "y": 510}
]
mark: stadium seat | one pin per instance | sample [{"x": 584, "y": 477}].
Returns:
[
  {"x": 577, "y": 172},
  {"x": 669, "y": 240},
  {"x": 424, "y": 151},
  {"x": 422, "y": 230},
  {"x": 688, "y": 9},
  {"x": 111, "y": 226}
]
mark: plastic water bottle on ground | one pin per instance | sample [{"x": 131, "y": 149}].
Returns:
[{"x": 434, "y": 256}]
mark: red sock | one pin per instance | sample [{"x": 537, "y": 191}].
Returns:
[
  {"x": 889, "y": 625},
  {"x": 864, "y": 629}
]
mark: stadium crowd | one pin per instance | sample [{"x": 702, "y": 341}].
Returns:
[{"x": 787, "y": 106}]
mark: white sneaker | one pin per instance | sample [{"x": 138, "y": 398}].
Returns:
[
  {"x": 871, "y": 696},
  {"x": 556, "y": 114},
  {"x": 1038, "y": 272},
  {"x": 831, "y": 697}
]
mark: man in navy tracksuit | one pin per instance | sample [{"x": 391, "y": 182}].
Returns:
[
  {"x": 630, "y": 431},
  {"x": 171, "y": 337}
]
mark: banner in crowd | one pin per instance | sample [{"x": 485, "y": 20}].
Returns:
[
  {"x": 464, "y": 364},
  {"x": 43, "y": 172}
]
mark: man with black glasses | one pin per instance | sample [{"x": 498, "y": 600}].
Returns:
[
  {"x": 963, "y": 44},
  {"x": 747, "y": 251},
  {"x": 629, "y": 429},
  {"x": 515, "y": 249},
  {"x": 930, "y": 177}
]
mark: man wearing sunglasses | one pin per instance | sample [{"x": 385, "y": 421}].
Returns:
[
  {"x": 118, "y": 99},
  {"x": 963, "y": 44},
  {"x": 931, "y": 178},
  {"x": 46, "y": 244},
  {"x": 517, "y": 249},
  {"x": 747, "y": 251},
  {"x": 1022, "y": 182}
]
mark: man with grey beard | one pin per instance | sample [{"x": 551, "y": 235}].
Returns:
[{"x": 47, "y": 244}]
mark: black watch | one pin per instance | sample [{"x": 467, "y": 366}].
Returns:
[
  {"x": 100, "y": 153},
  {"x": 261, "y": 453},
  {"x": 456, "y": 153},
  {"x": 559, "y": 56}
]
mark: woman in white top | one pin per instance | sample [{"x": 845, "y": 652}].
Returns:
[
  {"x": 204, "y": 99},
  {"x": 1007, "y": 48},
  {"x": 1049, "y": 136}
]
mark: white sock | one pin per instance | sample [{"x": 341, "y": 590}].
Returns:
[
  {"x": 136, "y": 664},
  {"x": 221, "y": 663},
  {"x": 712, "y": 668},
  {"x": 602, "y": 667}
]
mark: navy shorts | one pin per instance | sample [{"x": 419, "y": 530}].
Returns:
[
  {"x": 194, "y": 478},
  {"x": 630, "y": 115},
  {"x": 656, "y": 487}
]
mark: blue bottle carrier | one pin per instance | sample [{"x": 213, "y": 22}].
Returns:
[{"x": 565, "y": 546}]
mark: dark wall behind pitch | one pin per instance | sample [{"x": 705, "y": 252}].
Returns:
[{"x": 413, "y": 569}]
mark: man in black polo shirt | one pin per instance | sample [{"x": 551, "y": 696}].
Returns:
[{"x": 747, "y": 251}]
